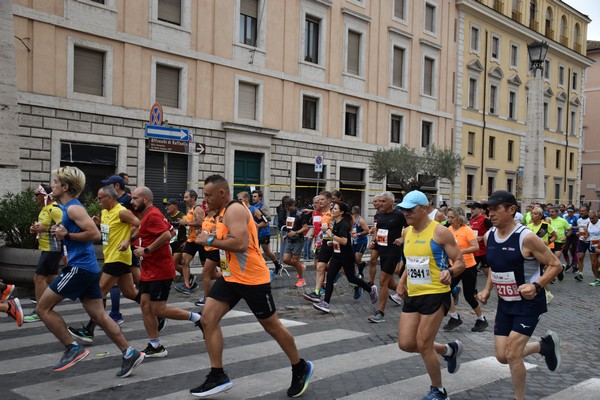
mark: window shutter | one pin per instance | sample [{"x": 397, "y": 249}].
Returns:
[
  {"x": 170, "y": 11},
  {"x": 399, "y": 9},
  {"x": 247, "y": 101},
  {"x": 353, "y": 53},
  {"x": 249, "y": 8},
  {"x": 428, "y": 77},
  {"x": 167, "y": 86},
  {"x": 88, "y": 71},
  {"x": 398, "y": 66}
]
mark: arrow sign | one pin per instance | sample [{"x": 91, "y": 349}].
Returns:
[{"x": 167, "y": 132}]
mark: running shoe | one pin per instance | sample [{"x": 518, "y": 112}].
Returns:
[
  {"x": 118, "y": 318},
  {"x": 579, "y": 277},
  {"x": 357, "y": 292},
  {"x": 452, "y": 324},
  {"x": 567, "y": 267},
  {"x": 595, "y": 282},
  {"x": 395, "y": 297},
  {"x": 377, "y": 318},
  {"x": 480, "y": 325},
  {"x": 7, "y": 292},
  {"x": 129, "y": 364},
  {"x": 162, "y": 323},
  {"x": 312, "y": 296},
  {"x": 31, "y": 317},
  {"x": 303, "y": 269},
  {"x": 436, "y": 394},
  {"x": 374, "y": 294},
  {"x": 155, "y": 352},
  {"x": 322, "y": 306},
  {"x": 73, "y": 354},
  {"x": 33, "y": 300},
  {"x": 300, "y": 380},
  {"x": 454, "y": 359},
  {"x": 193, "y": 283},
  {"x": 214, "y": 383},
  {"x": 278, "y": 267},
  {"x": 456, "y": 294},
  {"x": 201, "y": 302},
  {"x": 561, "y": 275},
  {"x": 300, "y": 283},
  {"x": 550, "y": 349},
  {"x": 181, "y": 288},
  {"x": 15, "y": 311},
  {"x": 82, "y": 334}
]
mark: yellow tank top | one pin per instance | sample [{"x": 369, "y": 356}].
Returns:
[
  {"x": 209, "y": 225},
  {"x": 114, "y": 232},
  {"x": 425, "y": 259},
  {"x": 49, "y": 215},
  {"x": 249, "y": 267}
]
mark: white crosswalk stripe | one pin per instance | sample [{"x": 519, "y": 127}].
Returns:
[{"x": 96, "y": 375}]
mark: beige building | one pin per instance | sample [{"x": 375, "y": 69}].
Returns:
[
  {"x": 491, "y": 110},
  {"x": 263, "y": 86},
  {"x": 590, "y": 169}
]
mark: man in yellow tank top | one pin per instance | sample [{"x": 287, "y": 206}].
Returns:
[
  {"x": 245, "y": 276},
  {"x": 425, "y": 287}
]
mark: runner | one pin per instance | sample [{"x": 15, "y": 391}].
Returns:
[
  {"x": 322, "y": 250},
  {"x": 209, "y": 269},
  {"x": 262, "y": 217},
  {"x": 192, "y": 222},
  {"x": 297, "y": 226},
  {"x": 571, "y": 241},
  {"x": 480, "y": 224},
  {"x": 563, "y": 230},
  {"x": 174, "y": 216},
  {"x": 583, "y": 245},
  {"x": 12, "y": 307}
]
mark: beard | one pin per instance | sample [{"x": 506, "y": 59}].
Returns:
[{"x": 140, "y": 208}]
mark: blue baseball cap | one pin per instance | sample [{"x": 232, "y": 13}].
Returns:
[
  {"x": 413, "y": 199},
  {"x": 114, "y": 179}
]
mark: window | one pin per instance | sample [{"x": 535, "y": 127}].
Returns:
[
  {"x": 248, "y": 22},
  {"x": 561, "y": 75},
  {"x": 398, "y": 67},
  {"x": 571, "y": 160},
  {"x": 475, "y": 39},
  {"x": 167, "y": 85},
  {"x": 549, "y": 32},
  {"x": 573, "y": 123},
  {"x": 557, "y": 162},
  {"x": 428, "y": 76},
  {"x": 491, "y": 183},
  {"x": 516, "y": 10},
  {"x": 353, "y": 179},
  {"x": 169, "y": 11},
  {"x": 510, "y": 150},
  {"x": 514, "y": 55},
  {"x": 306, "y": 180},
  {"x": 512, "y": 105},
  {"x": 559, "y": 119},
  {"x": 571, "y": 192},
  {"x": 471, "y": 143},
  {"x": 430, "y": 18},
  {"x": 493, "y": 99},
  {"x": 351, "y": 121},
  {"x": 399, "y": 10},
  {"x": 88, "y": 71},
  {"x": 533, "y": 24},
  {"x": 353, "y": 61},
  {"x": 470, "y": 186},
  {"x": 546, "y": 114},
  {"x": 556, "y": 192},
  {"x": 509, "y": 185},
  {"x": 547, "y": 70},
  {"x": 247, "y": 94},
  {"x": 426, "y": 132},
  {"x": 472, "y": 93},
  {"x": 396, "y": 129},
  {"x": 492, "y": 147},
  {"x": 495, "y": 48},
  {"x": 574, "y": 85},
  {"x": 96, "y": 161},
  {"x": 309, "y": 112},
  {"x": 311, "y": 51}
]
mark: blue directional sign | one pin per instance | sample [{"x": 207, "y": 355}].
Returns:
[{"x": 167, "y": 132}]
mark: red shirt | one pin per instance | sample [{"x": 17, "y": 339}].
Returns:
[
  {"x": 479, "y": 225},
  {"x": 157, "y": 265}
]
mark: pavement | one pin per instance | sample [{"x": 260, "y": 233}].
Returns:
[{"x": 353, "y": 358}]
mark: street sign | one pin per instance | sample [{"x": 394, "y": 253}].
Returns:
[
  {"x": 168, "y": 146},
  {"x": 167, "y": 132},
  {"x": 156, "y": 114},
  {"x": 200, "y": 149},
  {"x": 319, "y": 164}
]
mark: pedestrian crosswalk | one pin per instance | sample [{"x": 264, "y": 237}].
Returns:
[{"x": 349, "y": 363}]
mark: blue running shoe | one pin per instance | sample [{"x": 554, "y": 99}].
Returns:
[
  {"x": 300, "y": 380},
  {"x": 214, "y": 383},
  {"x": 454, "y": 360},
  {"x": 436, "y": 394},
  {"x": 73, "y": 354}
]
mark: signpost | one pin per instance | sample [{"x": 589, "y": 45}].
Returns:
[
  {"x": 318, "y": 169},
  {"x": 168, "y": 132}
]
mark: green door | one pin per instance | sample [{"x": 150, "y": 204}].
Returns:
[{"x": 246, "y": 171}]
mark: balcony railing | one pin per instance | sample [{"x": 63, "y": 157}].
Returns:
[
  {"x": 533, "y": 24},
  {"x": 550, "y": 33},
  {"x": 577, "y": 47},
  {"x": 499, "y": 6},
  {"x": 564, "y": 40},
  {"x": 516, "y": 16}
]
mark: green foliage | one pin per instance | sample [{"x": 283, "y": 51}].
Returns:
[
  {"x": 92, "y": 205},
  {"x": 17, "y": 213},
  {"x": 402, "y": 165}
]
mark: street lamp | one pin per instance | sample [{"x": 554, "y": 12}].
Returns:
[
  {"x": 533, "y": 171},
  {"x": 537, "y": 54}
]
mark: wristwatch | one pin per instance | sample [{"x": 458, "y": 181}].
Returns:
[
  {"x": 146, "y": 250},
  {"x": 538, "y": 287},
  {"x": 210, "y": 240}
]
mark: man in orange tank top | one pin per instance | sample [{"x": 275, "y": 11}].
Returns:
[{"x": 245, "y": 276}]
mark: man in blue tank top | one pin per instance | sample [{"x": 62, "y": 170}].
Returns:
[
  {"x": 514, "y": 254},
  {"x": 80, "y": 279}
]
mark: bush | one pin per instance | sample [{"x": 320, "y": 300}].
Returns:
[
  {"x": 17, "y": 213},
  {"x": 91, "y": 205}
]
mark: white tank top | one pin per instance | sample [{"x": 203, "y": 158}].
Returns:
[{"x": 433, "y": 214}]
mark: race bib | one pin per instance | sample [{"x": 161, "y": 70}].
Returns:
[
  {"x": 476, "y": 232},
  {"x": 104, "y": 230},
  {"x": 289, "y": 222},
  {"x": 418, "y": 272},
  {"x": 506, "y": 285},
  {"x": 316, "y": 218},
  {"x": 336, "y": 247},
  {"x": 382, "y": 237},
  {"x": 223, "y": 263}
]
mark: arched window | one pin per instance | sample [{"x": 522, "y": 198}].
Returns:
[
  {"x": 533, "y": 24},
  {"x": 549, "y": 32},
  {"x": 563, "y": 31},
  {"x": 516, "y": 10},
  {"x": 577, "y": 38}
]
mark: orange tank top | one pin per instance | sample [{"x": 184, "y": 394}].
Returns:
[
  {"x": 249, "y": 267},
  {"x": 191, "y": 230}
]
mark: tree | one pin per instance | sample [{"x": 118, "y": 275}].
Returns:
[{"x": 402, "y": 165}]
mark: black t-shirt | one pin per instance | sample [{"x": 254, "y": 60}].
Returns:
[
  {"x": 300, "y": 219},
  {"x": 342, "y": 229},
  {"x": 181, "y": 231},
  {"x": 389, "y": 228},
  {"x": 125, "y": 201}
]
